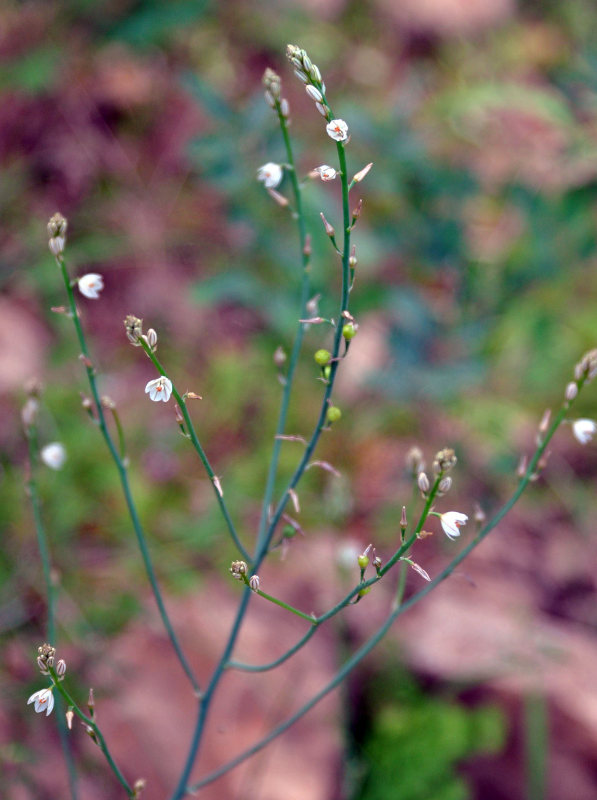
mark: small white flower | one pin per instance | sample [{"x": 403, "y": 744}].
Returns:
[
  {"x": 325, "y": 172},
  {"x": 584, "y": 430},
  {"x": 159, "y": 389},
  {"x": 53, "y": 455},
  {"x": 44, "y": 701},
  {"x": 270, "y": 175},
  {"x": 90, "y": 285},
  {"x": 337, "y": 130},
  {"x": 451, "y": 521}
]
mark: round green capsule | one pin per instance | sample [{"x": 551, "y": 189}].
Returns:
[
  {"x": 349, "y": 331},
  {"x": 288, "y": 531},
  {"x": 334, "y": 414},
  {"x": 322, "y": 357},
  {"x": 327, "y": 371}
]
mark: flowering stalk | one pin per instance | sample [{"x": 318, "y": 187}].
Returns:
[
  {"x": 92, "y": 727},
  {"x": 121, "y": 467},
  {"x": 266, "y": 533},
  {"x": 44, "y": 552},
  {"x": 374, "y": 640},
  {"x": 190, "y": 431}
]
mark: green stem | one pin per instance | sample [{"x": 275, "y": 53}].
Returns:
[
  {"x": 276, "y": 663},
  {"x": 122, "y": 472},
  {"x": 288, "y": 607},
  {"x": 264, "y": 541},
  {"x": 199, "y": 449},
  {"x": 298, "y": 341},
  {"x": 44, "y": 551},
  {"x": 366, "y": 648},
  {"x": 98, "y": 734}
]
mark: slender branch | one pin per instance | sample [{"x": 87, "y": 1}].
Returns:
[
  {"x": 90, "y": 723},
  {"x": 122, "y": 472},
  {"x": 44, "y": 551},
  {"x": 298, "y": 341},
  {"x": 366, "y": 648},
  {"x": 276, "y": 663},
  {"x": 180, "y": 399}
]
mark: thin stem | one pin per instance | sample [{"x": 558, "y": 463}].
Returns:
[
  {"x": 298, "y": 473},
  {"x": 366, "y": 648},
  {"x": 98, "y": 734},
  {"x": 199, "y": 449},
  {"x": 276, "y": 663},
  {"x": 122, "y": 472},
  {"x": 264, "y": 541},
  {"x": 288, "y": 607},
  {"x": 44, "y": 551},
  {"x": 298, "y": 341}
]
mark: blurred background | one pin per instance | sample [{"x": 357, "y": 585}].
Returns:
[{"x": 143, "y": 122}]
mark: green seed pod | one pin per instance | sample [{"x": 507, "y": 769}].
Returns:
[
  {"x": 349, "y": 331},
  {"x": 322, "y": 357},
  {"x": 363, "y": 561},
  {"x": 288, "y": 531},
  {"x": 327, "y": 371},
  {"x": 334, "y": 414}
]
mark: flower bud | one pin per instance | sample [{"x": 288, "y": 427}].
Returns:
[
  {"x": 238, "y": 569},
  {"x": 362, "y": 173},
  {"x": 61, "y": 667},
  {"x": 444, "y": 460},
  {"x": 57, "y": 232},
  {"x": 329, "y": 229},
  {"x": 571, "y": 391},
  {"x": 134, "y": 329},
  {"x": 279, "y": 356},
  {"x": 403, "y": 519},
  {"x": 314, "y": 93},
  {"x": 445, "y": 484},
  {"x": 151, "y": 338},
  {"x": 322, "y": 109},
  {"x": 254, "y": 583},
  {"x": 423, "y": 482}
]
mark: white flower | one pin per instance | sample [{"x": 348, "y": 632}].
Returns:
[
  {"x": 338, "y": 130},
  {"x": 44, "y": 701},
  {"x": 90, "y": 285},
  {"x": 53, "y": 455},
  {"x": 451, "y": 521},
  {"x": 159, "y": 389},
  {"x": 584, "y": 429},
  {"x": 325, "y": 172},
  {"x": 270, "y": 175}
]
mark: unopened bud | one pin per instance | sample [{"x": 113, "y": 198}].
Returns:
[
  {"x": 41, "y": 663},
  {"x": 314, "y": 93},
  {"x": 61, "y": 667},
  {"x": 178, "y": 415},
  {"x": 151, "y": 338},
  {"x": 403, "y": 519},
  {"x": 307, "y": 247},
  {"x": 479, "y": 515},
  {"x": 279, "y": 356},
  {"x": 571, "y": 391},
  {"x": 522, "y": 466},
  {"x": 284, "y": 107},
  {"x": 29, "y": 412},
  {"x": 423, "y": 482},
  {"x": 138, "y": 787},
  {"x": 357, "y": 210},
  {"x": 444, "y": 460},
  {"x": 544, "y": 424},
  {"x": 279, "y": 198},
  {"x": 329, "y": 229},
  {"x": 69, "y": 719},
  {"x": 414, "y": 460},
  {"x": 362, "y": 173},
  {"x": 322, "y": 109},
  {"x": 377, "y": 562},
  {"x": 91, "y": 702},
  {"x": 445, "y": 484},
  {"x": 254, "y": 583}
]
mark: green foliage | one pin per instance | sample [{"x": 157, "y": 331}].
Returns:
[{"x": 416, "y": 741}]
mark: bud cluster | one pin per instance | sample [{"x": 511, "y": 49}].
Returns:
[
  {"x": 308, "y": 72},
  {"x": 134, "y": 329},
  {"x": 444, "y": 460},
  {"x": 238, "y": 569},
  {"x": 46, "y": 660},
  {"x": 57, "y": 232},
  {"x": 586, "y": 369},
  {"x": 273, "y": 90}
]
